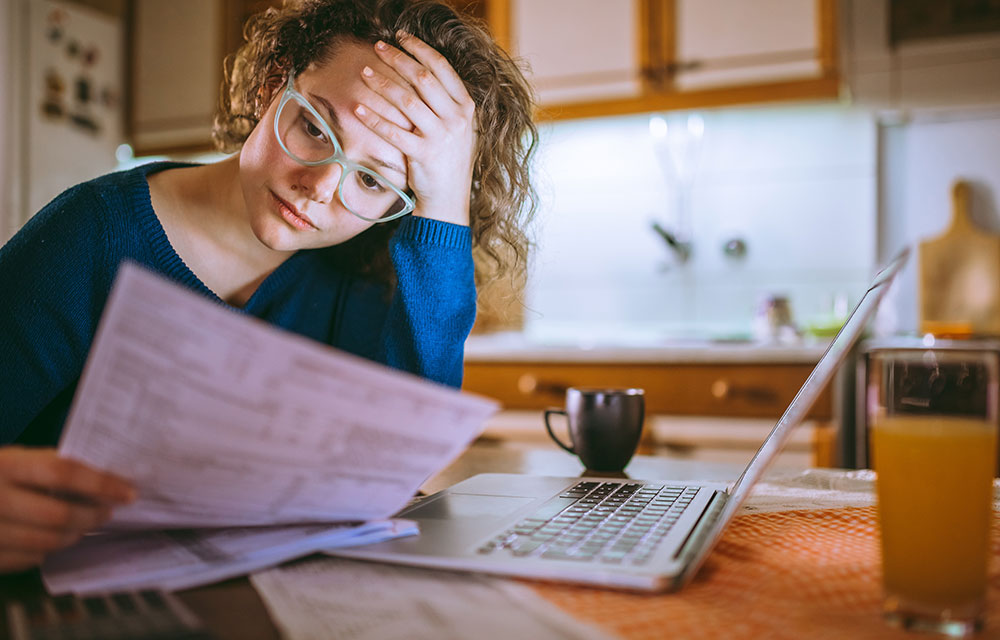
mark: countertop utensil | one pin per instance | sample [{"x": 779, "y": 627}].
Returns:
[{"x": 959, "y": 276}]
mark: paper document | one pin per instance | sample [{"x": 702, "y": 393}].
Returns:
[
  {"x": 181, "y": 558},
  {"x": 222, "y": 420},
  {"x": 331, "y": 599}
]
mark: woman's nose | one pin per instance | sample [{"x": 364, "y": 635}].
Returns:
[{"x": 320, "y": 182}]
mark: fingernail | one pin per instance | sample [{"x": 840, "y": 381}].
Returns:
[
  {"x": 367, "y": 71},
  {"x": 131, "y": 495},
  {"x": 381, "y": 45},
  {"x": 360, "y": 110},
  {"x": 402, "y": 35}
]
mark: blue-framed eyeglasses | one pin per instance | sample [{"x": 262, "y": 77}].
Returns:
[{"x": 306, "y": 137}]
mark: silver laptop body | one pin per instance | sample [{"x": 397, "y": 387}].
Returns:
[{"x": 530, "y": 526}]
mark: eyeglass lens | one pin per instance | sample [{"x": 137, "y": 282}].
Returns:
[{"x": 364, "y": 192}]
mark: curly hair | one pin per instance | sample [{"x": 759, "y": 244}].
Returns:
[{"x": 304, "y": 32}]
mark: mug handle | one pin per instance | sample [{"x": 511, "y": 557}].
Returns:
[{"x": 548, "y": 427}]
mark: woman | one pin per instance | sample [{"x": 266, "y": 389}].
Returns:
[{"x": 378, "y": 144}]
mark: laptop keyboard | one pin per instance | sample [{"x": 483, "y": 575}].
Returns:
[{"x": 609, "y": 522}]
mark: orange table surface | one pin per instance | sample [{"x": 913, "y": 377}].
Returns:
[{"x": 791, "y": 574}]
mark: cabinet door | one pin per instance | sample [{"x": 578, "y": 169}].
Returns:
[
  {"x": 579, "y": 52},
  {"x": 722, "y": 43},
  {"x": 617, "y": 57},
  {"x": 177, "y": 51}
]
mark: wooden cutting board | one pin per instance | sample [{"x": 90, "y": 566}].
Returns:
[{"x": 959, "y": 276}]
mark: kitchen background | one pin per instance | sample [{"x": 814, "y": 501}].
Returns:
[{"x": 786, "y": 147}]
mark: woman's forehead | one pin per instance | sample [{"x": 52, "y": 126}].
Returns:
[{"x": 338, "y": 79}]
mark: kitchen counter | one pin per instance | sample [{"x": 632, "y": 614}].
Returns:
[
  {"x": 696, "y": 385},
  {"x": 516, "y": 347}
]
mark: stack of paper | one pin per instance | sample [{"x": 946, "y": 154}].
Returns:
[
  {"x": 181, "y": 558},
  {"x": 221, "y": 420}
]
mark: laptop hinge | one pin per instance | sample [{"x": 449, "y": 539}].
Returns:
[{"x": 705, "y": 524}]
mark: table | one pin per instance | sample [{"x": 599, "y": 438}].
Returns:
[{"x": 233, "y": 610}]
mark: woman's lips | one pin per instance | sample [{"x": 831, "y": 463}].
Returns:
[{"x": 292, "y": 216}]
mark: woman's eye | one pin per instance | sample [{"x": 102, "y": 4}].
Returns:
[
  {"x": 312, "y": 130},
  {"x": 369, "y": 182}
]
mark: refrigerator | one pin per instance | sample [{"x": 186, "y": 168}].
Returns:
[{"x": 62, "y": 74}]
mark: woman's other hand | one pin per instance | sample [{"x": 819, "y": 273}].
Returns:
[
  {"x": 48, "y": 502},
  {"x": 440, "y": 149}
]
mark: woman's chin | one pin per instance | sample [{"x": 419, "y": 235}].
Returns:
[{"x": 274, "y": 237}]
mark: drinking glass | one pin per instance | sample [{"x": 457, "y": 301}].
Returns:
[{"x": 932, "y": 415}]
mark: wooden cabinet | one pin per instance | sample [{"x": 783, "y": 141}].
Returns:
[
  {"x": 630, "y": 56},
  {"x": 176, "y": 54},
  {"x": 175, "y": 69},
  {"x": 586, "y": 57},
  {"x": 681, "y": 401},
  {"x": 921, "y": 55},
  {"x": 722, "y": 43},
  {"x": 731, "y": 390},
  {"x": 579, "y": 56}
]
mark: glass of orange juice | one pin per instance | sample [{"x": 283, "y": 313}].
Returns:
[{"x": 932, "y": 415}]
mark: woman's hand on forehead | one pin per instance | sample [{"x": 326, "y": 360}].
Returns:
[
  {"x": 383, "y": 106},
  {"x": 440, "y": 148}
]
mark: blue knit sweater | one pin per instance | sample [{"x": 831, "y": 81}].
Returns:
[{"x": 56, "y": 273}]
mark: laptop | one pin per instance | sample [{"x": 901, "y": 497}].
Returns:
[{"x": 616, "y": 533}]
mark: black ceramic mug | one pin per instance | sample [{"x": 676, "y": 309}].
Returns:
[{"x": 604, "y": 425}]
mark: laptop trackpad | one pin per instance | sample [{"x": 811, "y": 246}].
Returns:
[{"x": 461, "y": 505}]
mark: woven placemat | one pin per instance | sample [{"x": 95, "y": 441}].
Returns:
[{"x": 792, "y": 574}]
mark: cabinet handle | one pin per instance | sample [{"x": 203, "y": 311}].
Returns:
[
  {"x": 663, "y": 73},
  {"x": 722, "y": 389},
  {"x": 673, "y": 68},
  {"x": 653, "y": 74},
  {"x": 529, "y": 384}
]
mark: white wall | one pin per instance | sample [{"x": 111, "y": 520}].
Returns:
[
  {"x": 921, "y": 159},
  {"x": 798, "y": 184}
]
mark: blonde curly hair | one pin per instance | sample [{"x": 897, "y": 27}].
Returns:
[{"x": 304, "y": 32}]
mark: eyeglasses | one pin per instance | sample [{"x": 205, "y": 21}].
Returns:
[{"x": 306, "y": 137}]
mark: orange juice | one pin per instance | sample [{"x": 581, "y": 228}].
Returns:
[{"x": 935, "y": 490}]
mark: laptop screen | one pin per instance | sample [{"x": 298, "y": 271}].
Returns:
[{"x": 806, "y": 397}]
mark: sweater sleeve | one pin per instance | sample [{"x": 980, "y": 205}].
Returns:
[
  {"x": 432, "y": 309},
  {"x": 52, "y": 292}
]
